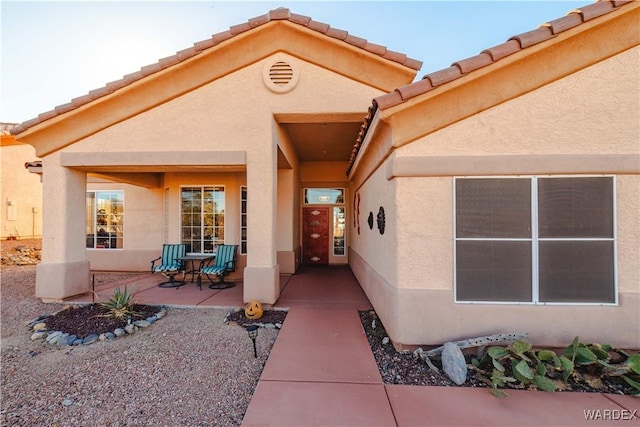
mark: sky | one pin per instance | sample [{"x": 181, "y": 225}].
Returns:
[{"x": 54, "y": 51}]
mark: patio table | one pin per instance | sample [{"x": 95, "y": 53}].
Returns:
[{"x": 192, "y": 258}]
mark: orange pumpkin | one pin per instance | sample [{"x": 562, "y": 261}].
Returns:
[{"x": 253, "y": 310}]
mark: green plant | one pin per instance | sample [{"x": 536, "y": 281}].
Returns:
[
  {"x": 520, "y": 366},
  {"x": 121, "y": 304}
]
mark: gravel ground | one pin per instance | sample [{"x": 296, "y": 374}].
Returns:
[{"x": 188, "y": 369}]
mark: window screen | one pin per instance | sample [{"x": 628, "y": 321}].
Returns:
[{"x": 557, "y": 247}]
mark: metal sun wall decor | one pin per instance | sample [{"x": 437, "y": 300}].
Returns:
[{"x": 381, "y": 220}]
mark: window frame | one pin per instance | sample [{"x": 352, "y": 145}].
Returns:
[
  {"x": 535, "y": 241},
  {"x": 94, "y": 219},
  {"x": 180, "y": 213}
]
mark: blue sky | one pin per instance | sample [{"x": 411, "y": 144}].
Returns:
[{"x": 58, "y": 50}]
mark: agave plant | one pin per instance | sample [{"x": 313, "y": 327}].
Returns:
[{"x": 121, "y": 304}]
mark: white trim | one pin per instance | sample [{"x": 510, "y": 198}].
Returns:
[
  {"x": 201, "y": 187},
  {"x": 95, "y": 219}
]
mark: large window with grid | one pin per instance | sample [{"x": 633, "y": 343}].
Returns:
[
  {"x": 535, "y": 240},
  {"x": 104, "y": 219},
  {"x": 202, "y": 217}
]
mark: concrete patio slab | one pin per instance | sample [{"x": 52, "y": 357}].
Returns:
[
  {"x": 464, "y": 406},
  {"x": 277, "y": 403}
]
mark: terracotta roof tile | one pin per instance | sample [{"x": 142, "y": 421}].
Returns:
[
  {"x": 48, "y": 115},
  {"x": 473, "y": 63},
  {"x": 443, "y": 76},
  {"x": 169, "y": 61},
  {"x": 150, "y": 69},
  {"x": 186, "y": 53},
  {"x": 389, "y": 99},
  {"x": 204, "y": 44},
  {"x": 503, "y": 50},
  {"x": 395, "y": 56},
  {"x": 132, "y": 77},
  {"x": 596, "y": 9},
  {"x": 487, "y": 57},
  {"x": 376, "y": 48},
  {"x": 240, "y": 28},
  {"x": 363, "y": 131},
  {"x": 221, "y": 37},
  {"x": 61, "y": 109},
  {"x": 411, "y": 90},
  {"x": 356, "y": 41},
  {"x": 258, "y": 20},
  {"x": 279, "y": 13},
  {"x": 320, "y": 27},
  {"x": 566, "y": 22},
  {"x": 300, "y": 19},
  {"x": 97, "y": 93},
  {"x": 337, "y": 34},
  {"x": 536, "y": 36}
]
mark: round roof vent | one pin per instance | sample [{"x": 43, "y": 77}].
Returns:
[{"x": 280, "y": 74}]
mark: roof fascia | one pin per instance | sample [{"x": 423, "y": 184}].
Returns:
[
  {"x": 493, "y": 85},
  {"x": 66, "y": 127}
]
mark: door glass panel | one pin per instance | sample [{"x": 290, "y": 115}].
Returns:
[
  {"x": 339, "y": 231},
  {"x": 323, "y": 196}
]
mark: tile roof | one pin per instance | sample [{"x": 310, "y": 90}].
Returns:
[
  {"x": 487, "y": 57},
  {"x": 280, "y": 14}
]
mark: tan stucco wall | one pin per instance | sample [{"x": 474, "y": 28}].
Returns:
[
  {"x": 21, "y": 199},
  {"x": 595, "y": 110},
  {"x": 572, "y": 122}
]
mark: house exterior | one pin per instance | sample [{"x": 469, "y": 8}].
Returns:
[
  {"x": 501, "y": 194},
  {"x": 21, "y": 211}
]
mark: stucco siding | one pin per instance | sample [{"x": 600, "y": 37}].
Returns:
[
  {"x": 21, "y": 212},
  {"x": 592, "y": 111},
  {"x": 425, "y": 224},
  {"x": 380, "y": 251},
  {"x": 232, "y": 113}
]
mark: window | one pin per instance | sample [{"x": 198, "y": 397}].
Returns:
[
  {"x": 104, "y": 216},
  {"x": 323, "y": 196},
  {"x": 243, "y": 220},
  {"x": 202, "y": 218},
  {"x": 535, "y": 240},
  {"x": 338, "y": 230}
]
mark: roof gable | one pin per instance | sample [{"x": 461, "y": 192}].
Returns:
[
  {"x": 485, "y": 62},
  {"x": 278, "y": 30}
]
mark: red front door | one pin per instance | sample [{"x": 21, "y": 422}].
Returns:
[{"x": 315, "y": 235}]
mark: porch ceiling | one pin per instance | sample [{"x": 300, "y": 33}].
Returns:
[{"x": 323, "y": 141}]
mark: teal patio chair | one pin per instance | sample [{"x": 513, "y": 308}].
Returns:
[
  {"x": 224, "y": 263},
  {"x": 170, "y": 264}
]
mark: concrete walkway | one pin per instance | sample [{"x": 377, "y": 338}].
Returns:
[{"x": 321, "y": 371}]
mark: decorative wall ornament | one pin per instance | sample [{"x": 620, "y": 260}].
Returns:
[
  {"x": 358, "y": 211},
  {"x": 315, "y": 235},
  {"x": 315, "y": 259},
  {"x": 381, "y": 220},
  {"x": 315, "y": 212},
  {"x": 370, "y": 220}
]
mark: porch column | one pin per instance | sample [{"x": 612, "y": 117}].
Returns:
[
  {"x": 262, "y": 273},
  {"x": 64, "y": 269}
]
